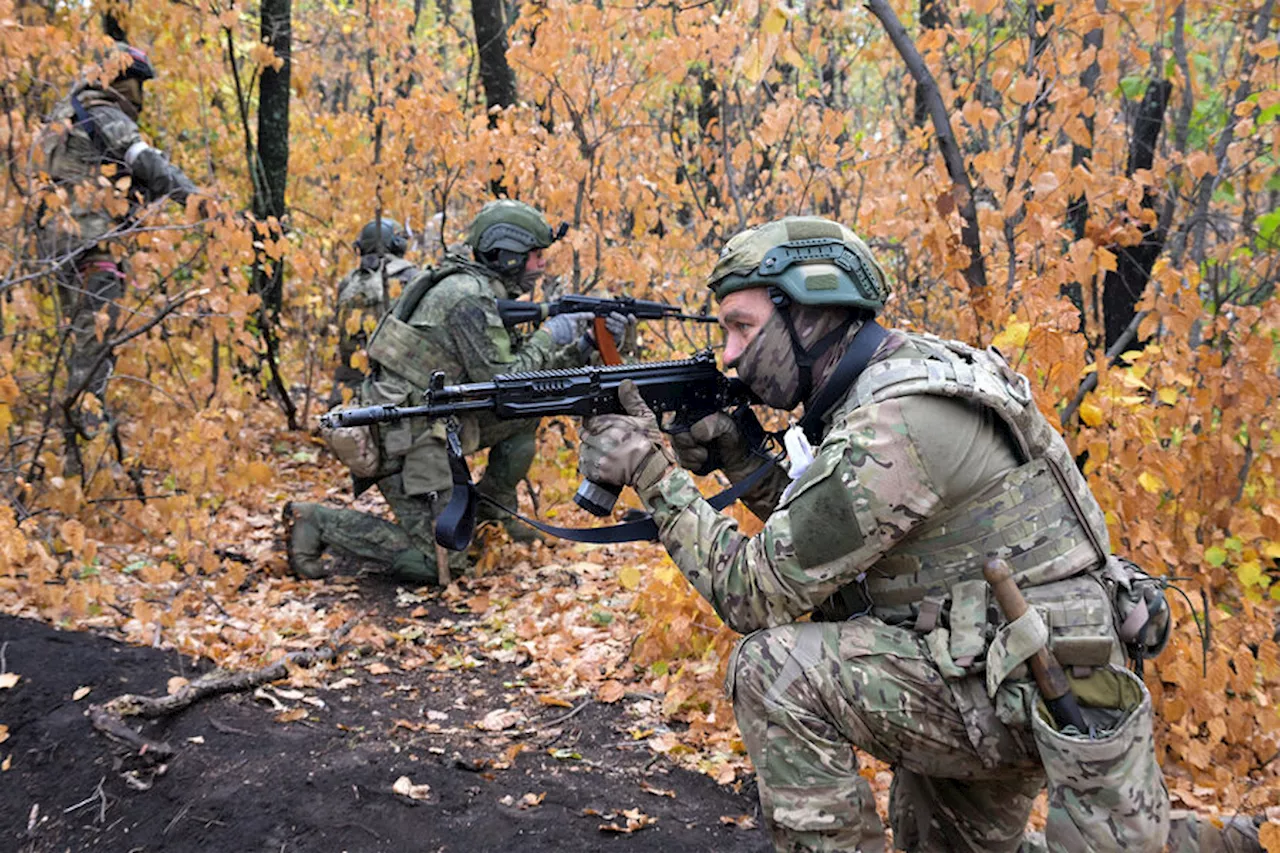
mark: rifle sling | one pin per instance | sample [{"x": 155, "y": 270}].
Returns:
[{"x": 461, "y": 509}]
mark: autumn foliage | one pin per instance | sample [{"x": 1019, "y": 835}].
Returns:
[{"x": 1121, "y": 160}]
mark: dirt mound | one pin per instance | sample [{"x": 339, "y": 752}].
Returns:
[{"x": 286, "y": 769}]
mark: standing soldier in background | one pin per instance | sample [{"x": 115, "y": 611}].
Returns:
[
  {"x": 917, "y": 461},
  {"x": 365, "y": 294},
  {"x": 447, "y": 320},
  {"x": 96, "y": 126}
]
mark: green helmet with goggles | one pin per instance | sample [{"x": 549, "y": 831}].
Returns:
[
  {"x": 504, "y": 232},
  {"x": 814, "y": 261}
]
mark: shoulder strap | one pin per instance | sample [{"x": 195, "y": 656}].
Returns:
[
  {"x": 864, "y": 345},
  {"x": 85, "y": 120}
]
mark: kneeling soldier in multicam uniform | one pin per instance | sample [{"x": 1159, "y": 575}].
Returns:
[
  {"x": 919, "y": 460},
  {"x": 447, "y": 320}
]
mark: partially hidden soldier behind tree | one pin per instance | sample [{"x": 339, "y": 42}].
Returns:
[
  {"x": 917, "y": 461},
  {"x": 96, "y": 126},
  {"x": 447, "y": 320},
  {"x": 364, "y": 294}
]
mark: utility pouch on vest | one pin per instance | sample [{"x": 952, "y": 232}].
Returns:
[
  {"x": 356, "y": 447},
  {"x": 396, "y": 342},
  {"x": 1141, "y": 609},
  {"x": 1105, "y": 788}
]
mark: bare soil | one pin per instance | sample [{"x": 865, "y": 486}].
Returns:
[{"x": 243, "y": 779}]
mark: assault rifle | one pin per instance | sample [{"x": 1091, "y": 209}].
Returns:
[
  {"x": 515, "y": 312},
  {"x": 680, "y": 393}
]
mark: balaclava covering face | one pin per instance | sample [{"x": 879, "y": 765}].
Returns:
[{"x": 770, "y": 364}]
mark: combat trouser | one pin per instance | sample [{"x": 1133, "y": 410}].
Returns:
[
  {"x": 405, "y": 548},
  {"x": 966, "y": 767}
]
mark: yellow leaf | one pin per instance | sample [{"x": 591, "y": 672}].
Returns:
[
  {"x": 1271, "y": 550},
  {"x": 1090, "y": 414},
  {"x": 1151, "y": 482},
  {"x": 1014, "y": 336},
  {"x": 629, "y": 577},
  {"x": 4, "y": 733},
  {"x": 1250, "y": 573},
  {"x": 1168, "y": 396},
  {"x": 1267, "y": 50},
  {"x": 775, "y": 21},
  {"x": 6, "y": 417},
  {"x": 259, "y": 472}
]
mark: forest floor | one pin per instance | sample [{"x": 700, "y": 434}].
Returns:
[{"x": 313, "y": 765}]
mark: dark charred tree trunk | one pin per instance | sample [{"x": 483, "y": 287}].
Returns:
[
  {"x": 276, "y": 30},
  {"x": 111, "y": 26},
  {"x": 496, "y": 76},
  {"x": 1125, "y": 284},
  {"x": 932, "y": 16}
]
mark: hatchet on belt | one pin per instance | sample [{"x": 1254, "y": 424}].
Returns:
[{"x": 1050, "y": 679}]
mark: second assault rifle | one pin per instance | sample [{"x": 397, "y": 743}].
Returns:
[
  {"x": 516, "y": 311},
  {"x": 680, "y": 393}
]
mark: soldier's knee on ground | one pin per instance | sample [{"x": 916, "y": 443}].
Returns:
[
  {"x": 415, "y": 567},
  {"x": 303, "y": 540}
]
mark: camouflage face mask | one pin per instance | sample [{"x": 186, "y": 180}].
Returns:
[
  {"x": 525, "y": 282},
  {"x": 768, "y": 365}
]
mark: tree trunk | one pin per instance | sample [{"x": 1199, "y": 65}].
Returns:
[
  {"x": 491, "y": 44},
  {"x": 933, "y": 15},
  {"x": 1124, "y": 285}
]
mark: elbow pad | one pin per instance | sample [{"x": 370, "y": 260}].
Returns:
[{"x": 155, "y": 175}]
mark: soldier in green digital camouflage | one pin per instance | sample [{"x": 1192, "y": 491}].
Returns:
[
  {"x": 92, "y": 128},
  {"x": 917, "y": 460},
  {"x": 447, "y": 320},
  {"x": 364, "y": 294}
]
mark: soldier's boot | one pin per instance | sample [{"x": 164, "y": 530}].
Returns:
[
  {"x": 1193, "y": 833},
  {"x": 304, "y": 542},
  {"x": 509, "y": 462}
]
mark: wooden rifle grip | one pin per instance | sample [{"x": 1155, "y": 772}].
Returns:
[{"x": 605, "y": 343}]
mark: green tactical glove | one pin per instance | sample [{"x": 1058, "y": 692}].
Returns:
[
  {"x": 716, "y": 432},
  {"x": 625, "y": 450}
]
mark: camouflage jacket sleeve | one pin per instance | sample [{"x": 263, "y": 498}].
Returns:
[
  {"x": 485, "y": 346},
  {"x": 152, "y": 172},
  {"x": 866, "y": 489}
]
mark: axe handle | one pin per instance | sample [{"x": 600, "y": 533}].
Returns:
[{"x": 1048, "y": 674}]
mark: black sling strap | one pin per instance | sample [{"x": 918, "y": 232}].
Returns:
[
  {"x": 456, "y": 524},
  {"x": 863, "y": 346}
]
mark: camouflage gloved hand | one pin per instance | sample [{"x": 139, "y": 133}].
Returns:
[
  {"x": 621, "y": 327},
  {"x": 564, "y": 329},
  {"x": 716, "y": 432},
  {"x": 625, "y": 450}
]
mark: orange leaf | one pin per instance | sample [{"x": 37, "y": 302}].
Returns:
[{"x": 611, "y": 691}]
